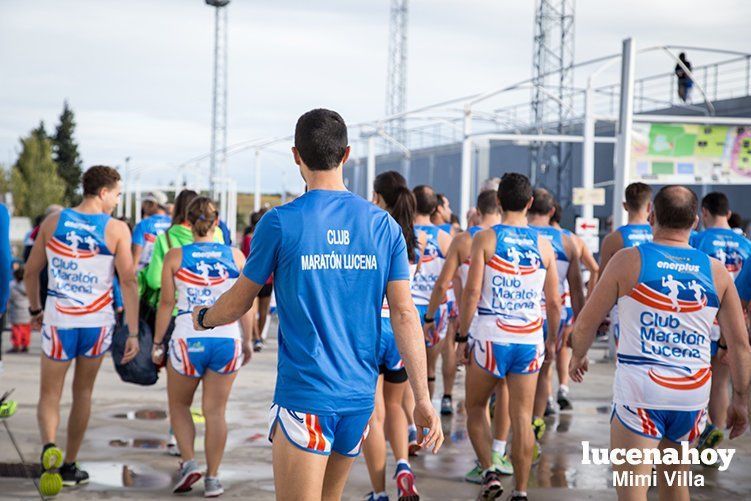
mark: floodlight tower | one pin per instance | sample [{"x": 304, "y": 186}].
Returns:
[
  {"x": 553, "y": 52},
  {"x": 396, "y": 82},
  {"x": 218, "y": 159}
]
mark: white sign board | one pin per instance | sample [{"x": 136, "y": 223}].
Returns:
[
  {"x": 588, "y": 228},
  {"x": 589, "y": 196}
]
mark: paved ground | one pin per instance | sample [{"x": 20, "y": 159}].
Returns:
[{"x": 126, "y": 458}]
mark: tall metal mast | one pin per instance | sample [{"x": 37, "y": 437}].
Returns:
[
  {"x": 396, "y": 82},
  {"x": 218, "y": 159},
  {"x": 553, "y": 52}
]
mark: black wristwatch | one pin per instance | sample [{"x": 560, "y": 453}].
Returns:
[
  {"x": 461, "y": 339},
  {"x": 34, "y": 313},
  {"x": 427, "y": 319},
  {"x": 722, "y": 346},
  {"x": 199, "y": 319}
]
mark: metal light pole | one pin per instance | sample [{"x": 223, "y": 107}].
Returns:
[{"x": 219, "y": 100}]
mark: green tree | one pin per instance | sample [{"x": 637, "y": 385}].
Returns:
[
  {"x": 65, "y": 154},
  {"x": 34, "y": 178}
]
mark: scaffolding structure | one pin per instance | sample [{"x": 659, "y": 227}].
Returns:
[
  {"x": 552, "y": 69},
  {"x": 396, "y": 78},
  {"x": 218, "y": 158}
]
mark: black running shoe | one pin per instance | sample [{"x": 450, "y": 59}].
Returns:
[
  {"x": 73, "y": 475},
  {"x": 491, "y": 486},
  {"x": 518, "y": 497},
  {"x": 564, "y": 403}
]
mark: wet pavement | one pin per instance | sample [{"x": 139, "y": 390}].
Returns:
[{"x": 125, "y": 447}]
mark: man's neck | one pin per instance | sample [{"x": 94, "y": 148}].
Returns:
[
  {"x": 514, "y": 218},
  {"x": 637, "y": 217},
  {"x": 90, "y": 205},
  {"x": 671, "y": 237},
  {"x": 537, "y": 220},
  {"x": 489, "y": 220},
  {"x": 436, "y": 219},
  {"x": 717, "y": 222},
  {"x": 326, "y": 180},
  {"x": 423, "y": 220}
]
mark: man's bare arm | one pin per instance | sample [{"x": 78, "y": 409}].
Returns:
[
  {"x": 589, "y": 262},
  {"x": 574, "y": 276},
  {"x": 126, "y": 273},
  {"x": 733, "y": 328},
  {"x": 231, "y": 305},
  {"x": 552, "y": 295},
  {"x": 482, "y": 241},
  {"x": 446, "y": 277},
  {"x": 611, "y": 244},
  {"x": 37, "y": 260}
]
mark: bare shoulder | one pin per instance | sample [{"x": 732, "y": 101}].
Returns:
[
  {"x": 625, "y": 263},
  {"x": 613, "y": 240},
  {"x": 720, "y": 275},
  {"x": 49, "y": 223}
]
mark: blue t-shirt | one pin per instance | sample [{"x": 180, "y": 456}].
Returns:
[
  {"x": 725, "y": 245},
  {"x": 5, "y": 257},
  {"x": 332, "y": 254},
  {"x": 743, "y": 282}
]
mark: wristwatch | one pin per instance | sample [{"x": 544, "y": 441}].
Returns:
[
  {"x": 36, "y": 312},
  {"x": 461, "y": 339},
  {"x": 427, "y": 319},
  {"x": 199, "y": 319}
]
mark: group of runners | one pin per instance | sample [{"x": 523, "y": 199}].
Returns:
[{"x": 372, "y": 294}]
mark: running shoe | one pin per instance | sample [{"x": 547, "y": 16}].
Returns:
[
  {"x": 257, "y": 345},
  {"x": 475, "y": 474},
  {"x": 502, "y": 463},
  {"x": 551, "y": 408},
  {"x": 212, "y": 487},
  {"x": 73, "y": 475},
  {"x": 446, "y": 407},
  {"x": 405, "y": 483},
  {"x": 51, "y": 458},
  {"x": 536, "y": 453},
  {"x": 491, "y": 486},
  {"x": 414, "y": 448},
  {"x": 172, "y": 448},
  {"x": 710, "y": 437},
  {"x": 515, "y": 496},
  {"x": 538, "y": 426},
  {"x": 188, "y": 475},
  {"x": 372, "y": 497},
  {"x": 564, "y": 403}
]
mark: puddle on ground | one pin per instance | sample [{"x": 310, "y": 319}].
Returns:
[
  {"x": 139, "y": 443},
  {"x": 146, "y": 414},
  {"x": 120, "y": 475},
  {"x": 18, "y": 470}
]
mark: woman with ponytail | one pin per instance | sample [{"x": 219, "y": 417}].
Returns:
[
  {"x": 193, "y": 275},
  {"x": 390, "y": 193}
]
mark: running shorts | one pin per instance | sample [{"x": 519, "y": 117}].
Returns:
[
  {"x": 676, "y": 426},
  {"x": 500, "y": 359},
  {"x": 192, "y": 356},
  {"x": 63, "y": 344},
  {"x": 390, "y": 362},
  {"x": 320, "y": 434},
  {"x": 441, "y": 323}
]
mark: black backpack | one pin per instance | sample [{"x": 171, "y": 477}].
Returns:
[{"x": 141, "y": 370}]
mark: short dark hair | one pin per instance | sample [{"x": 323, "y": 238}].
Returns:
[
  {"x": 321, "y": 139},
  {"x": 675, "y": 207},
  {"x": 514, "y": 192},
  {"x": 427, "y": 201},
  {"x": 637, "y": 196},
  {"x": 735, "y": 220},
  {"x": 180, "y": 210},
  {"x": 543, "y": 203},
  {"x": 557, "y": 213},
  {"x": 441, "y": 199},
  {"x": 98, "y": 177},
  {"x": 487, "y": 202},
  {"x": 716, "y": 203}
]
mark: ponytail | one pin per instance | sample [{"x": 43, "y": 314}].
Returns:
[
  {"x": 401, "y": 204},
  {"x": 202, "y": 215}
]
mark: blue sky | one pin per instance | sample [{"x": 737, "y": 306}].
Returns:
[{"x": 138, "y": 73}]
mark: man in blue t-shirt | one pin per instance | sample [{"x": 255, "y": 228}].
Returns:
[
  {"x": 334, "y": 256},
  {"x": 155, "y": 222}
]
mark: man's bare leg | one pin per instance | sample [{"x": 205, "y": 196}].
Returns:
[
  {"x": 501, "y": 418},
  {"x": 297, "y": 474},
  {"x": 521, "y": 390},
  {"x": 337, "y": 473},
  {"x": 479, "y": 386},
  {"x": 675, "y": 492},
  {"x": 374, "y": 446},
  {"x": 622, "y": 438},
  {"x": 543, "y": 388},
  {"x": 433, "y": 353},
  {"x": 51, "y": 383},
  {"x": 719, "y": 400},
  {"x": 83, "y": 386}
]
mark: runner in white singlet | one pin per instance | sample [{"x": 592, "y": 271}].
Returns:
[{"x": 663, "y": 376}]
